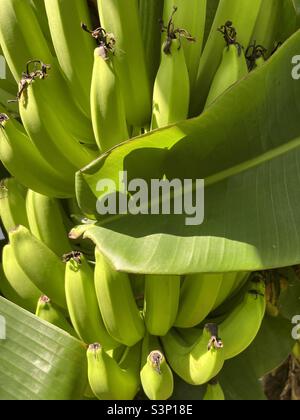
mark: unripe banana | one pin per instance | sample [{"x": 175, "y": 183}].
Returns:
[
  {"x": 267, "y": 23},
  {"x": 25, "y": 293},
  {"x": 82, "y": 302},
  {"x": 40, "y": 264},
  {"x": 18, "y": 153},
  {"x": 233, "y": 67},
  {"x": 161, "y": 303},
  {"x": 137, "y": 282},
  {"x": 111, "y": 380},
  {"x": 46, "y": 222},
  {"x": 244, "y": 18},
  {"x": 171, "y": 93},
  {"x": 39, "y": 9},
  {"x": 228, "y": 284},
  {"x": 12, "y": 204},
  {"x": 150, "y": 14},
  {"x": 242, "y": 325},
  {"x": 214, "y": 391},
  {"x": 195, "y": 363},
  {"x": 73, "y": 49},
  {"x": 156, "y": 376},
  {"x": 122, "y": 20},
  {"x": 47, "y": 311},
  {"x": 107, "y": 107},
  {"x": 117, "y": 304},
  {"x": 190, "y": 17},
  {"x": 197, "y": 297}
]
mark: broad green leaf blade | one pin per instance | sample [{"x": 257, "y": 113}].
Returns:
[
  {"x": 247, "y": 148},
  {"x": 38, "y": 361},
  {"x": 289, "y": 300}
]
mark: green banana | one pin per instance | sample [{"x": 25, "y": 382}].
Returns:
[
  {"x": 191, "y": 18},
  {"x": 244, "y": 18},
  {"x": 24, "y": 292},
  {"x": 156, "y": 376},
  {"x": 107, "y": 107},
  {"x": 39, "y": 9},
  {"x": 243, "y": 323},
  {"x": 233, "y": 66},
  {"x": 195, "y": 359},
  {"x": 122, "y": 20},
  {"x": 18, "y": 153},
  {"x": 46, "y": 222},
  {"x": 161, "y": 303},
  {"x": 230, "y": 283},
  {"x": 150, "y": 14},
  {"x": 49, "y": 312},
  {"x": 111, "y": 380},
  {"x": 116, "y": 301},
  {"x": 82, "y": 302},
  {"x": 73, "y": 49},
  {"x": 171, "y": 93},
  {"x": 40, "y": 264},
  {"x": 7, "y": 96},
  {"x": 214, "y": 391},
  {"x": 197, "y": 297},
  {"x": 12, "y": 204},
  {"x": 137, "y": 282}
]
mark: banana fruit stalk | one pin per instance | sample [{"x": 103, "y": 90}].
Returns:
[
  {"x": 233, "y": 67},
  {"x": 40, "y": 264},
  {"x": 156, "y": 375},
  {"x": 122, "y": 20},
  {"x": 107, "y": 107},
  {"x": 161, "y": 303},
  {"x": 191, "y": 17},
  {"x": 242, "y": 325},
  {"x": 195, "y": 359},
  {"x": 73, "y": 49},
  {"x": 12, "y": 204},
  {"x": 244, "y": 17},
  {"x": 25, "y": 293},
  {"x": 82, "y": 302},
  {"x": 214, "y": 391},
  {"x": 46, "y": 222},
  {"x": 18, "y": 153},
  {"x": 48, "y": 312},
  {"x": 171, "y": 93},
  {"x": 117, "y": 304},
  {"x": 197, "y": 297},
  {"x": 110, "y": 380}
]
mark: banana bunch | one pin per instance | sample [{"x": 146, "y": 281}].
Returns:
[{"x": 76, "y": 89}]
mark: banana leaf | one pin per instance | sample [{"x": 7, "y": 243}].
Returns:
[{"x": 38, "y": 361}]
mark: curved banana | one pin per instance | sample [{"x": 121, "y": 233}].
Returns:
[
  {"x": 46, "y": 222},
  {"x": 197, "y": 358},
  {"x": 112, "y": 380},
  {"x": 244, "y": 18},
  {"x": 156, "y": 376},
  {"x": 137, "y": 282},
  {"x": 118, "y": 308},
  {"x": 269, "y": 18},
  {"x": 40, "y": 264},
  {"x": 23, "y": 290},
  {"x": 242, "y": 325},
  {"x": 39, "y": 9},
  {"x": 192, "y": 19},
  {"x": 197, "y": 298},
  {"x": 171, "y": 93},
  {"x": 161, "y": 303},
  {"x": 18, "y": 153},
  {"x": 122, "y": 20},
  {"x": 228, "y": 284},
  {"x": 107, "y": 107},
  {"x": 12, "y": 204},
  {"x": 82, "y": 302},
  {"x": 214, "y": 391},
  {"x": 233, "y": 67},
  {"x": 47, "y": 311},
  {"x": 73, "y": 49}
]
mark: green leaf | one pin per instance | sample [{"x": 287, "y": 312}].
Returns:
[
  {"x": 271, "y": 347},
  {"x": 38, "y": 361},
  {"x": 289, "y": 300},
  {"x": 247, "y": 148}
]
